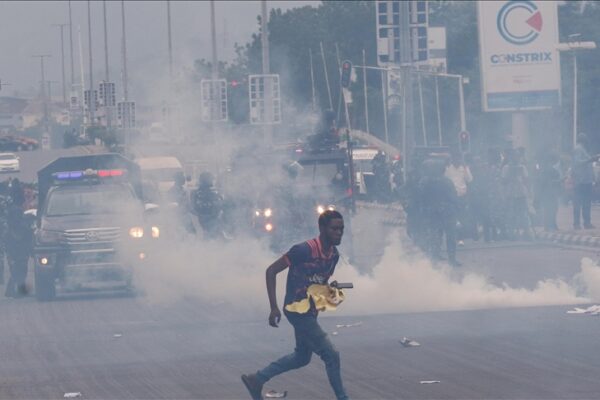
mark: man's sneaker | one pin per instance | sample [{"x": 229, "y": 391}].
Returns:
[
  {"x": 589, "y": 226},
  {"x": 253, "y": 385},
  {"x": 461, "y": 243}
]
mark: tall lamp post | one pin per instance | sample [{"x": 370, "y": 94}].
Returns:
[{"x": 573, "y": 47}]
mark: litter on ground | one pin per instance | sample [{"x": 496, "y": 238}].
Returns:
[
  {"x": 406, "y": 342},
  {"x": 272, "y": 394}
]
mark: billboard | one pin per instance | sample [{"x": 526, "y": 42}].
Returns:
[{"x": 520, "y": 65}]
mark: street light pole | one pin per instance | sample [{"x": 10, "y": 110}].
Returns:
[
  {"x": 574, "y": 47},
  {"x": 91, "y": 102},
  {"x": 62, "y": 59}
]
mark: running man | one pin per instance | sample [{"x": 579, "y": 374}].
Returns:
[{"x": 310, "y": 262}]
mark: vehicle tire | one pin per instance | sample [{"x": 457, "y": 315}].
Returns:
[
  {"x": 30, "y": 147},
  {"x": 45, "y": 287},
  {"x": 19, "y": 148}
]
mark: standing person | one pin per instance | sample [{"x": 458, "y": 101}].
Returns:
[
  {"x": 382, "y": 176},
  {"x": 549, "y": 191},
  {"x": 515, "y": 178},
  {"x": 582, "y": 174},
  {"x": 480, "y": 198},
  {"x": 4, "y": 202},
  {"x": 208, "y": 206},
  {"x": 19, "y": 243},
  {"x": 461, "y": 177},
  {"x": 440, "y": 203},
  {"x": 310, "y": 262}
]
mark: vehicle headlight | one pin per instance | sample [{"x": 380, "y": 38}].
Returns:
[
  {"x": 320, "y": 209},
  {"x": 268, "y": 227},
  {"x": 136, "y": 232},
  {"x": 257, "y": 213},
  {"x": 268, "y": 212},
  {"x": 155, "y": 232}
]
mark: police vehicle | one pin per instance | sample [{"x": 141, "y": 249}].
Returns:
[{"x": 91, "y": 223}]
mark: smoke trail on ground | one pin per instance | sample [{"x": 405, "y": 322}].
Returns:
[{"x": 403, "y": 281}]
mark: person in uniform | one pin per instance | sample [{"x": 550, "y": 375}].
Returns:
[
  {"x": 19, "y": 245},
  {"x": 310, "y": 263}
]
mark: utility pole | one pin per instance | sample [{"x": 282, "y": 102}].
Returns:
[
  {"x": 106, "y": 72},
  {"x": 71, "y": 47},
  {"x": 264, "y": 36},
  {"x": 213, "y": 35},
  {"x": 46, "y": 134},
  {"x": 91, "y": 103},
  {"x": 124, "y": 53},
  {"x": 62, "y": 60},
  {"x": 170, "y": 43},
  {"x": 312, "y": 82}
]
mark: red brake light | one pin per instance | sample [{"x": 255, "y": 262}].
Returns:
[
  {"x": 116, "y": 172},
  {"x": 103, "y": 173}
]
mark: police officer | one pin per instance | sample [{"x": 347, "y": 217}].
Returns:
[
  {"x": 19, "y": 243},
  {"x": 4, "y": 203},
  {"x": 177, "y": 194},
  {"x": 208, "y": 205}
]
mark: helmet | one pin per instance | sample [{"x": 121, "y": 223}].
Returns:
[{"x": 205, "y": 179}]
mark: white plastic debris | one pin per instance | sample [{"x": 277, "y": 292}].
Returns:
[
  {"x": 592, "y": 310},
  {"x": 117, "y": 335},
  {"x": 72, "y": 395},
  {"x": 406, "y": 342},
  {"x": 272, "y": 394},
  {"x": 429, "y": 382},
  {"x": 359, "y": 323}
]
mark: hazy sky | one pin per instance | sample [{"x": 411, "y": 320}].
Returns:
[{"x": 25, "y": 30}]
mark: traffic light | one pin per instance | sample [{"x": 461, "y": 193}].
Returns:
[
  {"x": 346, "y": 73},
  {"x": 464, "y": 140}
]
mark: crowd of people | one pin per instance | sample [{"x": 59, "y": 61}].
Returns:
[{"x": 505, "y": 197}]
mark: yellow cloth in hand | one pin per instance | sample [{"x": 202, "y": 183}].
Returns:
[{"x": 325, "y": 297}]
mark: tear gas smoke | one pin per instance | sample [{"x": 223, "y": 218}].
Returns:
[{"x": 233, "y": 274}]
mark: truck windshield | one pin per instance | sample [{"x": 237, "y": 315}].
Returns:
[{"x": 97, "y": 199}]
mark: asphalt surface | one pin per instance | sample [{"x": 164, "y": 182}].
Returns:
[{"x": 111, "y": 345}]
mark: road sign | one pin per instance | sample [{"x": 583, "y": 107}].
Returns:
[
  {"x": 265, "y": 99},
  {"x": 126, "y": 114},
  {"x": 389, "y": 21},
  {"x": 214, "y": 100},
  {"x": 107, "y": 95},
  {"x": 520, "y": 65}
]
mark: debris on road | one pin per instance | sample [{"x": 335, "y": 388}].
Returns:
[
  {"x": 72, "y": 395},
  {"x": 406, "y": 342},
  {"x": 592, "y": 310},
  {"x": 359, "y": 323},
  {"x": 429, "y": 382},
  {"x": 117, "y": 335},
  {"x": 334, "y": 333},
  {"x": 272, "y": 394}
]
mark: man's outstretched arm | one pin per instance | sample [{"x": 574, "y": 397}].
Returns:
[{"x": 279, "y": 265}]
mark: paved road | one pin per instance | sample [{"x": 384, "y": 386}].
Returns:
[{"x": 196, "y": 349}]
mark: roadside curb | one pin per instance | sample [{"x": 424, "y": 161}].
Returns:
[{"x": 568, "y": 238}]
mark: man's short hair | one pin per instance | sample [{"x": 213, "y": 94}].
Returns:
[{"x": 326, "y": 217}]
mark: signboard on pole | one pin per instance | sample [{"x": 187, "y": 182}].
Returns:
[
  {"x": 265, "y": 99},
  {"x": 520, "y": 65},
  {"x": 126, "y": 114},
  {"x": 389, "y": 21},
  {"x": 214, "y": 100}
]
